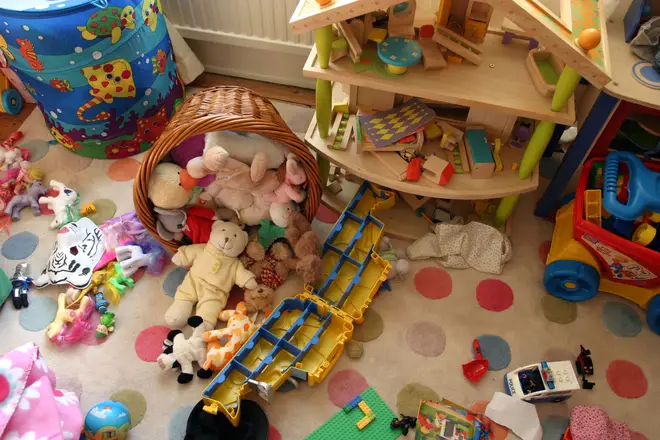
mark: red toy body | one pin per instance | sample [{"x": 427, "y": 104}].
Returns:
[{"x": 621, "y": 260}]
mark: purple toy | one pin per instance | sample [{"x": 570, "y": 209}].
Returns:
[
  {"x": 20, "y": 201},
  {"x": 189, "y": 149}
]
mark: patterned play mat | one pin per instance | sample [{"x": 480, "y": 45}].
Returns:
[{"x": 411, "y": 345}]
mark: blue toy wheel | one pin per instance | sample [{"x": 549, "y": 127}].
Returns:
[
  {"x": 12, "y": 102},
  {"x": 571, "y": 280},
  {"x": 653, "y": 314}
]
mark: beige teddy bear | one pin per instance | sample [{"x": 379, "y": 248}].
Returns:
[{"x": 215, "y": 269}]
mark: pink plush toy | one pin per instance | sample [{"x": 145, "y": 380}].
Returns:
[
  {"x": 290, "y": 189},
  {"x": 236, "y": 184},
  {"x": 32, "y": 407}
]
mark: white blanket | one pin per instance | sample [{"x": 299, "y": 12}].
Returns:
[{"x": 475, "y": 245}]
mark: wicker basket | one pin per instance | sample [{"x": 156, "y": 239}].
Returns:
[{"x": 215, "y": 109}]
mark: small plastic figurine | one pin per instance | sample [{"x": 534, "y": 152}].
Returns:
[
  {"x": 66, "y": 205},
  {"x": 405, "y": 423},
  {"x": 100, "y": 302},
  {"x": 106, "y": 325},
  {"x": 585, "y": 367},
  {"x": 20, "y": 286}
]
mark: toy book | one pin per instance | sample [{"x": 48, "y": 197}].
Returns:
[{"x": 446, "y": 420}]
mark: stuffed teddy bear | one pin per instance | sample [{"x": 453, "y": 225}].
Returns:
[
  {"x": 215, "y": 269},
  {"x": 259, "y": 299},
  {"x": 300, "y": 252},
  {"x": 289, "y": 189},
  {"x": 239, "y": 329},
  {"x": 306, "y": 248},
  {"x": 270, "y": 267},
  {"x": 181, "y": 352}
]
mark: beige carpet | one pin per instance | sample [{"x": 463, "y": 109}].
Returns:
[{"x": 388, "y": 363}]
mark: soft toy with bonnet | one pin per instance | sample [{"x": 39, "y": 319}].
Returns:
[
  {"x": 215, "y": 269},
  {"x": 167, "y": 192}
]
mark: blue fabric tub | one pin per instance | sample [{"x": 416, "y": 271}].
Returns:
[{"x": 102, "y": 73}]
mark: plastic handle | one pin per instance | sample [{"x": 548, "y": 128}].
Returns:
[
  {"x": 477, "y": 350},
  {"x": 638, "y": 178}
]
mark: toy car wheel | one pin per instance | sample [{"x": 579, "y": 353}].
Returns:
[
  {"x": 653, "y": 314},
  {"x": 571, "y": 280},
  {"x": 12, "y": 102}
]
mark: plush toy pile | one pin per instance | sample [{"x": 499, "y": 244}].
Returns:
[{"x": 231, "y": 201}]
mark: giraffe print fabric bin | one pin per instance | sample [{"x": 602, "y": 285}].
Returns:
[{"x": 102, "y": 72}]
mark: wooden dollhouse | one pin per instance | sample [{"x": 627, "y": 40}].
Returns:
[{"x": 481, "y": 80}]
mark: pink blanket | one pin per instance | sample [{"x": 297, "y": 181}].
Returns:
[{"x": 30, "y": 405}]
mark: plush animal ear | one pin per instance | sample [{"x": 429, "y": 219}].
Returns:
[{"x": 216, "y": 224}]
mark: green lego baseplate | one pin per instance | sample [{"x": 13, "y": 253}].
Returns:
[{"x": 343, "y": 425}]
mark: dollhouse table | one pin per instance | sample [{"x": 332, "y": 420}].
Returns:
[{"x": 619, "y": 99}]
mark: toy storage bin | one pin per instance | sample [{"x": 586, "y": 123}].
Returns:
[
  {"x": 102, "y": 72},
  {"x": 216, "y": 109}
]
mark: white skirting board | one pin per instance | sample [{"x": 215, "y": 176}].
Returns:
[{"x": 248, "y": 62}]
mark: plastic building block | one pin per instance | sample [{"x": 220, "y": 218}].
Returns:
[
  {"x": 310, "y": 329},
  {"x": 432, "y": 131},
  {"x": 343, "y": 425},
  {"x": 593, "y": 206},
  {"x": 356, "y": 401}
]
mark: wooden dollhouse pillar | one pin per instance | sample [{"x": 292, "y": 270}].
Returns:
[
  {"x": 323, "y": 39},
  {"x": 566, "y": 85}
]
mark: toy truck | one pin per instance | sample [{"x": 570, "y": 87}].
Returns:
[{"x": 542, "y": 382}]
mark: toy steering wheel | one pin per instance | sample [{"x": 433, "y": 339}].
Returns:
[{"x": 643, "y": 187}]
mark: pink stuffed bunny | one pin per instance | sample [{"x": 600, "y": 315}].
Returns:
[{"x": 290, "y": 188}]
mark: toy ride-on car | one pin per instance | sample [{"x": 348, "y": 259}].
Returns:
[{"x": 594, "y": 247}]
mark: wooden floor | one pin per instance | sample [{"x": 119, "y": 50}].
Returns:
[
  {"x": 279, "y": 92},
  {"x": 9, "y": 123}
]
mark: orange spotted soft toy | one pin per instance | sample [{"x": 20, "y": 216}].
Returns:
[{"x": 239, "y": 329}]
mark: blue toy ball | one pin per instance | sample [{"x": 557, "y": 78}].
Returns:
[{"x": 107, "y": 420}]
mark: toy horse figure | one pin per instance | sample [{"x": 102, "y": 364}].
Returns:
[
  {"x": 238, "y": 330},
  {"x": 64, "y": 205},
  {"x": 70, "y": 325},
  {"x": 30, "y": 198}
]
